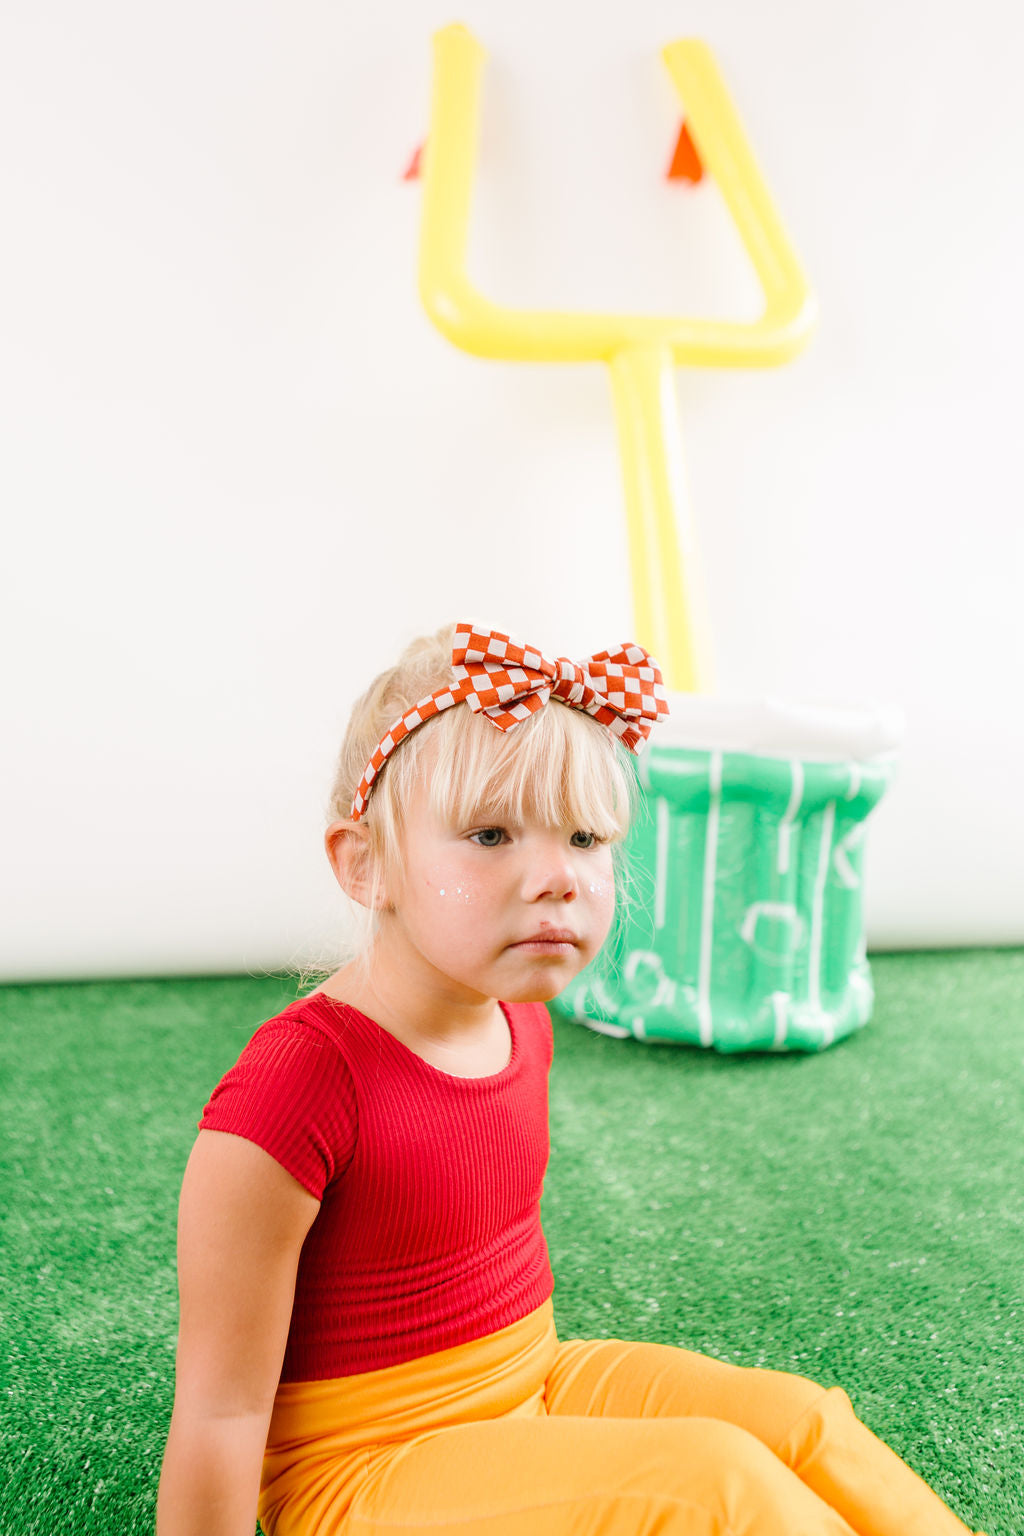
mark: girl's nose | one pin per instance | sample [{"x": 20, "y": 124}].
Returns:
[{"x": 551, "y": 875}]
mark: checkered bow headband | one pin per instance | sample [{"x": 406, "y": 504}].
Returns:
[{"x": 508, "y": 682}]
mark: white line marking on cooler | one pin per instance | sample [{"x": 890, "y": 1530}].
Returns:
[
  {"x": 780, "y": 1007},
  {"x": 660, "y": 860},
  {"x": 707, "y": 923},
  {"x": 796, "y": 795},
  {"x": 828, "y": 822}
]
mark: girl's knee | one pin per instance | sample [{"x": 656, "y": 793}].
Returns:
[
  {"x": 828, "y": 1416},
  {"x": 747, "y": 1487},
  {"x": 767, "y": 1403},
  {"x": 789, "y": 1414}
]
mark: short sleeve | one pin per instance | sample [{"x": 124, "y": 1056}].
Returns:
[{"x": 292, "y": 1094}]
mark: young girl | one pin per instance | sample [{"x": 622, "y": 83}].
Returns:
[{"x": 367, "y": 1345}]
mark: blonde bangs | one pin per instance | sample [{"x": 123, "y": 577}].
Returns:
[{"x": 559, "y": 767}]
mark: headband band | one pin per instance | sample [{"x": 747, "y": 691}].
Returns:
[{"x": 508, "y": 682}]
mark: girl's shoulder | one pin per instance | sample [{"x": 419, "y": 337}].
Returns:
[
  {"x": 298, "y": 1032},
  {"x": 534, "y": 1022},
  {"x": 291, "y": 1092},
  {"x": 303, "y": 1019}
]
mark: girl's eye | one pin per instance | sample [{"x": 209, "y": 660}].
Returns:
[
  {"x": 488, "y": 837},
  {"x": 583, "y": 840}
]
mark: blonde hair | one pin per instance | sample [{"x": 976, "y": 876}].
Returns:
[{"x": 559, "y": 766}]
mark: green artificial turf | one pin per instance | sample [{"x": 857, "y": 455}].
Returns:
[{"x": 855, "y": 1216}]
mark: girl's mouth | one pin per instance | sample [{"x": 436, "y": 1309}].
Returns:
[{"x": 548, "y": 941}]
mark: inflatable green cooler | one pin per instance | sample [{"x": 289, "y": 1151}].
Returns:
[{"x": 741, "y": 922}]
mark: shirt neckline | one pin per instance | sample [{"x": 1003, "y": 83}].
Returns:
[{"x": 336, "y": 1004}]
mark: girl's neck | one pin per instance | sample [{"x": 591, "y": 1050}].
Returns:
[{"x": 459, "y": 1031}]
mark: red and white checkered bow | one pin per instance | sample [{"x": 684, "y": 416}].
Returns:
[{"x": 508, "y": 682}]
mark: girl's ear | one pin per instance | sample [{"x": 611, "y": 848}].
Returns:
[{"x": 348, "y": 849}]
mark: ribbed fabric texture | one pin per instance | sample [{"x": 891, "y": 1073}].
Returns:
[{"x": 429, "y": 1229}]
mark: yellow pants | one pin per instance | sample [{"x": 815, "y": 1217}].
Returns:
[{"x": 519, "y": 1435}]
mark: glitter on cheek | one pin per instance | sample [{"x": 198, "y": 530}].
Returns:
[
  {"x": 446, "y": 885},
  {"x": 601, "y": 900}
]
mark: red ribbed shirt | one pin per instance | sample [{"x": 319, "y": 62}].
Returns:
[{"x": 428, "y": 1233}]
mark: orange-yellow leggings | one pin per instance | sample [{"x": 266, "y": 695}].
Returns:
[{"x": 519, "y": 1435}]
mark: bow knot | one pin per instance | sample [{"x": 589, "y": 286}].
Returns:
[{"x": 571, "y": 686}]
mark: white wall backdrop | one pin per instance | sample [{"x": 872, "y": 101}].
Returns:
[{"x": 239, "y": 468}]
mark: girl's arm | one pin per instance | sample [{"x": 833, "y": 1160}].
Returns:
[{"x": 241, "y": 1224}]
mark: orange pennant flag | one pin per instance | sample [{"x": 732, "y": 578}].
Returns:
[{"x": 686, "y": 164}]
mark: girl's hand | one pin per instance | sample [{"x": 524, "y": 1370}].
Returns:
[{"x": 242, "y": 1222}]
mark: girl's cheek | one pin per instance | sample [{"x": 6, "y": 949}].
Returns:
[
  {"x": 600, "y": 890},
  {"x": 447, "y": 885}
]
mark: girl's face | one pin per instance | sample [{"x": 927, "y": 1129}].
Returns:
[{"x": 499, "y": 910}]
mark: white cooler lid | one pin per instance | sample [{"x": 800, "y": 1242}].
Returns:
[{"x": 774, "y": 728}]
